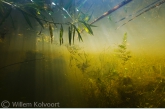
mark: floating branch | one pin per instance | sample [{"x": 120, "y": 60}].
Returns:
[
  {"x": 112, "y": 10},
  {"x": 158, "y": 4}
]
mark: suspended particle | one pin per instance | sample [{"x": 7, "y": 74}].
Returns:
[{"x": 53, "y": 3}]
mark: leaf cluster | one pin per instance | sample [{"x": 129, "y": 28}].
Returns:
[{"x": 42, "y": 12}]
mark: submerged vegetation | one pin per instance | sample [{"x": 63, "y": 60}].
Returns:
[
  {"x": 105, "y": 83},
  {"x": 116, "y": 77},
  {"x": 44, "y": 12},
  {"x": 122, "y": 50}
]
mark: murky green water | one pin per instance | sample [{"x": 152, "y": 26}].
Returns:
[{"x": 104, "y": 70}]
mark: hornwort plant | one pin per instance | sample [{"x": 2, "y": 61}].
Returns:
[{"x": 122, "y": 51}]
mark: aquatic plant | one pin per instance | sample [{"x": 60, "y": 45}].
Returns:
[
  {"x": 43, "y": 12},
  {"x": 142, "y": 87},
  {"x": 122, "y": 51},
  {"x": 78, "y": 57}
]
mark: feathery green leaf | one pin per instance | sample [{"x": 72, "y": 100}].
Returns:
[
  {"x": 73, "y": 34},
  {"x": 79, "y": 35},
  {"x": 51, "y": 32},
  {"x": 61, "y": 35},
  {"x": 87, "y": 27}
]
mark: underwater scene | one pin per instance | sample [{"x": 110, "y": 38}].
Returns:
[{"x": 82, "y": 53}]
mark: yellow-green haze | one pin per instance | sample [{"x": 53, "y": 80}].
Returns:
[{"x": 99, "y": 72}]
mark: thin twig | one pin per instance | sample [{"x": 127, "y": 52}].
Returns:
[
  {"x": 21, "y": 63},
  {"x": 158, "y": 4},
  {"x": 137, "y": 12}
]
